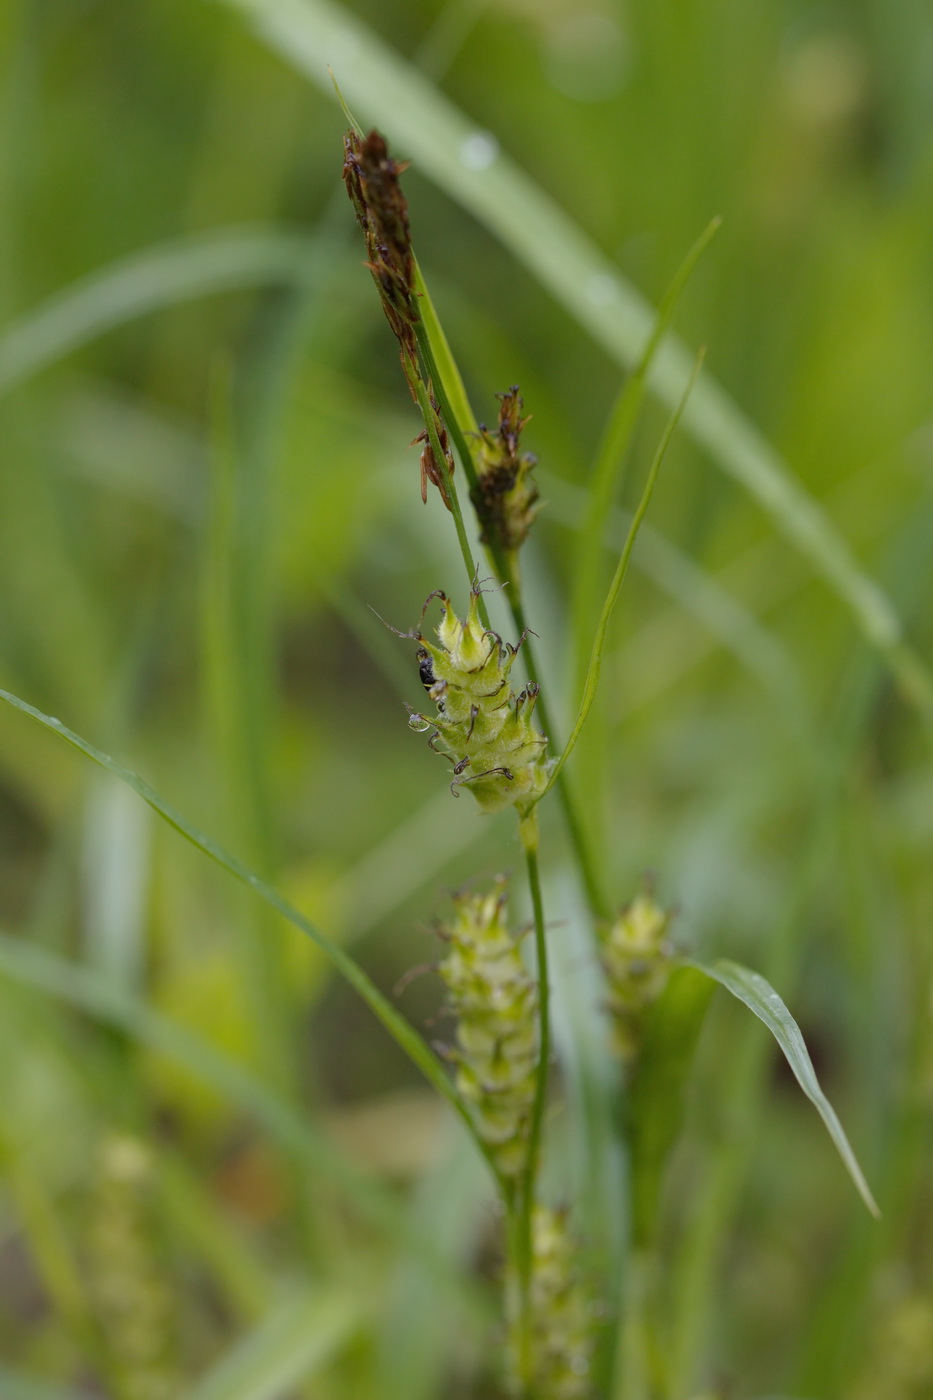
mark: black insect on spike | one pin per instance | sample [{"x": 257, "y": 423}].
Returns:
[{"x": 425, "y": 668}]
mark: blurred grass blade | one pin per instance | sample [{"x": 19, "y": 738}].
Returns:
[
  {"x": 15, "y": 1386},
  {"x": 60, "y": 977},
  {"x": 86, "y": 990},
  {"x": 419, "y": 1330},
  {"x": 468, "y": 164},
  {"x": 115, "y": 868},
  {"x": 193, "y": 267},
  {"x": 404, "y": 1035},
  {"x": 761, "y": 998},
  {"x": 599, "y": 642},
  {"x": 287, "y": 1348},
  {"x": 610, "y": 457}
]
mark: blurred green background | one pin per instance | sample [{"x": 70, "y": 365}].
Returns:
[{"x": 219, "y": 1176}]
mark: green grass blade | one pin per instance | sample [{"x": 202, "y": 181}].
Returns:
[
  {"x": 287, "y": 1348},
  {"x": 599, "y": 642},
  {"x": 610, "y": 457},
  {"x": 761, "y": 998},
  {"x": 403, "y": 1034},
  {"x": 469, "y": 165},
  {"x": 203, "y": 265}
]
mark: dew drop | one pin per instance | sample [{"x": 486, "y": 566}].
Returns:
[
  {"x": 418, "y": 722},
  {"x": 479, "y": 150}
]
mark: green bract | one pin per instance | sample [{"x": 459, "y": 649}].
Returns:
[{"x": 480, "y": 723}]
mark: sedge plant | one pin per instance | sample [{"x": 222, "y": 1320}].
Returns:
[
  {"x": 488, "y": 734},
  {"x": 568, "y": 1333}
]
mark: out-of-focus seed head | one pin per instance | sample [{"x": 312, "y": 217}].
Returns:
[
  {"x": 637, "y": 960},
  {"x": 496, "y": 1003},
  {"x": 562, "y": 1318}
]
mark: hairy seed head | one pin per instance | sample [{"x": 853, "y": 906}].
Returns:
[
  {"x": 480, "y": 722},
  {"x": 495, "y": 1002}
]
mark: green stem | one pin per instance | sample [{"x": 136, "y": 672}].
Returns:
[
  {"x": 544, "y": 1022},
  {"x": 518, "y": 1314},
  {"x": 523, "y": 1249},
  {"x": 586, "y": 863},
  {"x": 450, "y": 490}
]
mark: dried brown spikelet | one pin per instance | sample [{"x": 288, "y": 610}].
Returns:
[{"x": 372, "y": 180}]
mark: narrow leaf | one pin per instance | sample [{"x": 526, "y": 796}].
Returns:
[
  {"x": 596, "y": 657},
  {"x": 610, "y": 456},
  {"x": 405, "y": 1036},
  {"x": 449, "y": 377},
  {"x": 761, "y": 998}
]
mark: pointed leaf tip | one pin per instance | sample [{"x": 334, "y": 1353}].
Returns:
[{"x": 761, "y": 998}]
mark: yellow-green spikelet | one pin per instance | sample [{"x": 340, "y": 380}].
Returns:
[
  {"x": 637, "y": 960},
  {"x": 480, "y": 723},
  {"x": 562, "y": 1321},
  {"x": 496, "y": 1003}
]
